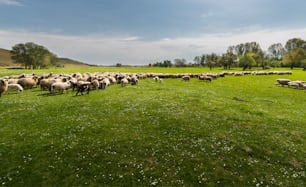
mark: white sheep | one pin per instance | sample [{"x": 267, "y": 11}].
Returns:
[
  {"x": 112, "y": 79},
  {"x": 105, "y": 83},
  {"x": 12, "y": 81},
  {"x": 238, "y": 74},
  {"x": 156, "y": 78},
  {"x": 294, "y": 84},
  {"x": 185, "y": 78},
  {"x": 3, "y": 86},
  {"x": 282, "y": 81},
  {"x": 60, "y": 86},
  {"x": 205, "y": 78},
  {"x": 45, "y": 84},
  {"x": 124, "y": 81},
  {"x": 17, "y": 87},
  {"x": 95, "y": 84},
  {"x": 27, "y": 82}
]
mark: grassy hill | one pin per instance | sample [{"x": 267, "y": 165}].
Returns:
[
  {"x": 5, "y": 58},
  {"x": 6, "y": 61}
]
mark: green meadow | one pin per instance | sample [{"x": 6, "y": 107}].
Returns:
[{"x": 234, "y": 131}]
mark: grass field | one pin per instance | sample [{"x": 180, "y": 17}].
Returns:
[{"x": 234, "y": 131}]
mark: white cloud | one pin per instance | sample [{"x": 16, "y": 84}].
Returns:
[
  {"x": 207, "y": 15},
  {"x": 10, "y": 2},
  {"x": 109, "y": 50}
]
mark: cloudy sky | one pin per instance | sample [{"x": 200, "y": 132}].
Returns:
[{"x": 137, "y": 32}]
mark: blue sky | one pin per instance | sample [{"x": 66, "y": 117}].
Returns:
[{"x": 143, "y": 31}]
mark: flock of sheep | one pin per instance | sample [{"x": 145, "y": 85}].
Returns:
[
  {"x": 58, "y": 83},
  {"x": 292, "y": 84}
]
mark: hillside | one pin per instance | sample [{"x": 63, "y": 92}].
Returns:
[
  {"x": 6, "y": 61},
  {"x": 5, "y": 58},
  {"x": 67, "y": 61}
]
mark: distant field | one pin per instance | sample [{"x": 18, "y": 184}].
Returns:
[{"x": 234, "y": 131}]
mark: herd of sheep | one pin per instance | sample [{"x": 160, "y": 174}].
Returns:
[
  {"x": 80, "y": 83},
  {"x": 292, "y": 84}
]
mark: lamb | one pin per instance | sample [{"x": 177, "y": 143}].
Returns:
[
  {"x": 3, "y": 86},
  {"x": 282, "y": 82},
  {"x": 60, "y": 86},
  {"x": 15, "y": 87}
]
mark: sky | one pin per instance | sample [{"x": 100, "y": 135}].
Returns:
[{"x": 139, "y": 32}]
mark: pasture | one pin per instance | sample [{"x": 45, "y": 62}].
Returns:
[{"x": 234, "y": 131}]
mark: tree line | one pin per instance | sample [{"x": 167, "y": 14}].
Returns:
[
  {"x": 245, "y": 55},
  {"x": 248, "y": 55}
]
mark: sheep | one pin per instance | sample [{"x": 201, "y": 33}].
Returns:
[
  {"x": 112, "y": 79},
  {"x": 205, "y": 78},
  {"x": 45, "y": 84},
  {"x": 60, "y": 86},
  {"x": 296, "y": 84},
  {"x": 3, "y": 86},
  {"x": 83, "y": 86},
  {"x": 124, "y": 81},
  {"x": 293, "y": 84},
  {"x": 17, "y": 87},
  {"x": 105, "y": 83},
  {"x": 12, "y": 81},
  {"x": 238, "y": 74},
  {"x": 27, "y": 82},
  {"x": 185, "y": 78},
  {"x": 134, "y": 80},
  {"x": 95, "y": 84},
  {"x": 282, "y": 82},
  {"x": 156, "y": 78}
]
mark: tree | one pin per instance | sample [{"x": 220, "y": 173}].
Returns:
[
  {"x": 180, "y": 62},
  {"x": 294, "y": 43},
  {"x": 211, "y": 60},
  {"x": 32, "y": 56},
  {"x": 242, "y": 49},
  {"x": 228, "y": 59},
  {"x": 303, "y": 64},
  {"x": 247, "y": 61},
  {"x": 197, "y": 60},
  {"x": 294, "y": 58},
  {"x": 276, "y": 51},
  {"x": 167, "y": 63}
]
